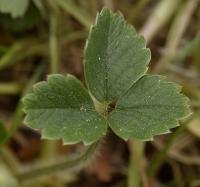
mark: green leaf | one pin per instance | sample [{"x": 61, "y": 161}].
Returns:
[
  {"x": 116, "y": 60},
  {"x": 62, "y": 108},
  {"x": 16, "y": 8},
  {"x": 115, "y": 57},
  {"x": 150, "y": 107},
  {"x": 3, "y": 133}
]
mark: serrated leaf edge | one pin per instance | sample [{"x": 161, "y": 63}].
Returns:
[{"x": 188, "y": 111}]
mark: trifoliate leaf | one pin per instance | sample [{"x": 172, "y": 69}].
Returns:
[
  {"x": 115, "y": 57},
  {"x": 62, "y": 108},
  {"x": 16, "y": 8},
  {"x": 150, "y": 107}
]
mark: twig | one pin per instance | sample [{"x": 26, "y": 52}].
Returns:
[
  {"x": 177, "y": 173},
  {"x": 186, "y": 50},
  {"x": 69, "y": 6},
  {"x": 195, "y": 183},
  {"x": 93, "y": 5},
  {"x": 160, "y": 16},
  {"x": 136, "y": 174},
  {"x": 49, "y": 148},
  {"x": 33, "y": 47},
  {"x": 20, "y": 50},
  {"x": 190, "y": 75},
  {"x": 136, "y": 9},
  {"x": 10, "y": 88},
  {"x": 10, "y": 161},
  {"x": 46, "y": 169},
  {"x": 18, "y": 114},
  {"x": 175, "y": 34},
  {"x": 53, "y": 37},
  {"x": 159, "y": 158},
  {"x": 180, "y": 157},
  {"x": 109, "y": 4}
]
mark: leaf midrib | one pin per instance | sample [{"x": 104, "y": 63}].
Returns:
[
  {"x": 62, "y": 108},
  {"x": 106, "y": 62},
  {"x": 147, "y": 106}
]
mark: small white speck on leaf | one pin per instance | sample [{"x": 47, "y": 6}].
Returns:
[{"x": 83, "y": 109}]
